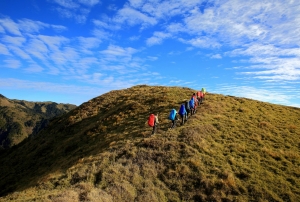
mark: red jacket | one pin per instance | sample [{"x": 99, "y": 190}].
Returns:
[
  {"x": 201, "y": 94},
  {"x": 195, "y": 100}
]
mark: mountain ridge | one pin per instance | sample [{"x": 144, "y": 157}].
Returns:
[
  {"x": 19, "y": 118},
  {"x": 233, "y": 149}
]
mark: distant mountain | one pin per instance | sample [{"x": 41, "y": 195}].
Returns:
[
  {"x": 20, "y": 119},
  {"x": 232, "y": 149}
]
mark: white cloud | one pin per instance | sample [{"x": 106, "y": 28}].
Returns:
[
  {"x": 216, "y": 56},
  {"x": 258, "y": 49},
  {"x": 134, "y": 17},
  {"x": 78, "y": 10},
  {"x": 134, "y": 38},
  {"x": 11, "y": 63},
  {"x": 89, "y": 42},
  {"x": 53, "y": 42},
  {"x": 19, "y": 52},
  {"x": 4, "y": 50},
  {"x": 271, "y": 63},
  {"x": 10, "y": 26},
  {"x": 136, "y": 3},
  {"x": 165, "y": 9},
  {"x": 34, "y": 68},
  {"x": 30, "y": 26},
  {"x": 89, "y": 3},
  {"x": 272, "y": 95},
  {"x": 48, "y": 87},
  {"x": 2, "y": 29},
  {"x": 38, "y": 49},
  {"x": 33, "y": 27},
  {"x": 67, "y": 4},
  {"x": 15, "y": 41},
  {"x": 59, "y": 28},
  {"x": 175, "y": 28},
  {"x": 152, "y": 58},
  {"x": 202, "y": 42},
  {"x": 113, "y": 50},
  {"x": 157, "y": 38}
]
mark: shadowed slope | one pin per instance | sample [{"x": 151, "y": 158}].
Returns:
[
  {"x": 20, "y": 119},
  {"x": 233, "y": 149},
  {"x": 85, "y": 131}
]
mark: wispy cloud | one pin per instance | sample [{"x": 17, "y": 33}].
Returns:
[
  {"x": 26, "y": 26},
  {"x": 263, "y": 94},
  {"x": 75, "y": 9},
  {"x": 76, "y": 58},
  {"x": 10, "y": 26},
  {"x": 216, "y": 56},
  {"x": 157, "y": 38},
  {"x": 48, "y": 87},
  {"x": 34, "y": 68},
  {"x": 257, "y": 41},
  {"x": 134, "y": 17},
  {"x": 4, "y": 50},
  {"x": 14, "y": 64}
]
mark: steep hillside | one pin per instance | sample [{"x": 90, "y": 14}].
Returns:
[
  {"x": 233, "y": 149},
  {"x": 19, "y": 118}
]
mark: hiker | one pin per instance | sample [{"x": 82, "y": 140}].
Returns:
[
  {"x": 153, "y": 122},
  {"x": 201, "y": 97},
  {"x": 173, "y": 117},
  {"x": 182, "y": 113},
  {"x": 188, "y": 109},
  {"x": 195, "y": 102},
  {"x": 192, "y": 103},
  {"x": 204, "y": 92}
]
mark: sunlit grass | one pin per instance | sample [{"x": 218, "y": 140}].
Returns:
[{"x": 233, "y": 149}]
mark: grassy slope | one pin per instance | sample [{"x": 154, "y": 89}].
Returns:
[
  {"x": 232, "y": 149},
  {"x": 19, "y": 119}
]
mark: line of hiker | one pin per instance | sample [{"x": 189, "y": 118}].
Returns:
[{"x": 187, "y": 109}]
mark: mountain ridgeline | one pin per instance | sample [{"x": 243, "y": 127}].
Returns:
[
  {"x": 232, "y": 149},
  {"x": 19, "y": 119}
]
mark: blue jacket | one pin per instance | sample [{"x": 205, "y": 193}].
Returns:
[
  {"x": 182, "y": 110},
  {"x": 192, "y": 103},
  {"x": 172, "y": 115}
]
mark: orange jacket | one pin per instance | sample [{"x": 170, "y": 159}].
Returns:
[{"x": 201, "y": 94}]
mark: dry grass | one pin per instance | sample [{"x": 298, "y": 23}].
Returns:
[
  {"x": 20, "y": 119},
  {"x": 233, "y": 149}
]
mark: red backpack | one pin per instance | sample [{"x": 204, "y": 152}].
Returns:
[{"x": 151, "y": 120}]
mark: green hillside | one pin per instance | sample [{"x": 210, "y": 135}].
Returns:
[
  {"x": 20, "y": 119},
  {"x": 232, "y": 149}
]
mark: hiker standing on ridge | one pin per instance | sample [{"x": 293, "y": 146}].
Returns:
[
  {"x": 173, "y": 117},
  {"x": 182, "y": 113}
]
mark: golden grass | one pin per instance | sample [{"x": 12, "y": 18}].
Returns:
[{"x": 233, "y": 149}]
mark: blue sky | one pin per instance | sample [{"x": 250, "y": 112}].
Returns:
[{"x": 70, "y": 51}]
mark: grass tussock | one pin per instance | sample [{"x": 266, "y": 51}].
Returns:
[{"x": 233, "y": 149}]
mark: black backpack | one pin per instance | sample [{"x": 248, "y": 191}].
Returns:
[{"x": 187, "y": 105}]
